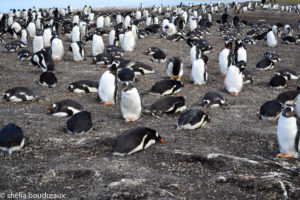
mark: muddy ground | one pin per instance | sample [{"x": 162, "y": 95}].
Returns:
[{"x": 232, "y": 158}]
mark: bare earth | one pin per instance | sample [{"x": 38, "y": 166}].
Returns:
[{"x": 232, "y": 158}]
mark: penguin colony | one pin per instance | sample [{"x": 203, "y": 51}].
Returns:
[{"x": 40, "y": 37}]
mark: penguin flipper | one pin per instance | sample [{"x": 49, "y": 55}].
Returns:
[{"x": 297, "y": 137}]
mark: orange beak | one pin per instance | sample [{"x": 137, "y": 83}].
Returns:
[
  {"x": 92, "y": 61},
  {"x": 47, "y": 107},
  {"x": 210, "y": 121},
  {"x": 212, "y": 48},
  {"x": 204, "y": 107},
  {"x": 4, "y": 101},
  {"x": 184, "y": 85},
  {"x": 161, "y": 140},
  {"x": 68, "y": 91}
]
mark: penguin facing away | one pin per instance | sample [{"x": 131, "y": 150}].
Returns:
[
  {"x": 270, "y": 110},
  {"x": 278, "y": 82},
  {"x": 134, "y": 140},
  {"x": 192, "y": 119},
  {"x": 288, "y": 133},
  {"x": 108, "y": 87},
  {"x": 48, "y": 79},
  {"x": 131, "y": 106},
  {"x": 80, "y": 123},
  {"x": 18, "y": 94},
  {"x": 11, "y": 138},
  {"x": 64, "y": 108}
]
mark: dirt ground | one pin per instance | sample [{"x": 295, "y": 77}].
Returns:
[{"x": 232, "y": 158}]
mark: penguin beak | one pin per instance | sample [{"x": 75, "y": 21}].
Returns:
[
  {"x": 92, "y": 61},
  {"x": 205, "y": 106},
  {"x": 184, "y": 85},
  {"x": 161, "y": 140},
  {"x": 210, "y": 121},
  {"x": 4, "y": 101},
  {"x": 68, "y": 91},
  {"x": 287, "y": 114},
  {"x": 47, "y": 107}
]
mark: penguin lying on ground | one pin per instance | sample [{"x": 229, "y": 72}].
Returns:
[
  {"x": 192, "y": 119},
  {"x": 83, "y": 86},
  {"x": 270, "y": 110},
  {"x": 24, "y": 55},
  {"x": 48, "y": 79},
  {"x": 168, "y": 104},
  {"x": 80, "y": 123},
  {"x": 18, "y": 94},
  {"x": 157, "y": 54},
  {"x": 134, "y": 140},
  {"x": 166, "y": 87},
  {"x": 288, "y": 73},
  {"x": 278, "y": 82},
  {"x": 212, "y": 99},
  {"x": 11, "y": 138},
  {"x": 64, "y": 108}
]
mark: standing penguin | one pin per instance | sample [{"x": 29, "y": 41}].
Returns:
[
  {"x": 225, "y": 58},
  {"x": 272, "y": 37},
  {"x": 44, "y": 60},
  {"x": 100, "y": 22},
  {"x": 97, "y": 43},
  {"x": 24, "y": 36},
  {"x": 11, "y": 138},
  {"x": 57, "y": 47},
  {"x": 199, "y": 70},
  {"x": 240, "y": 52},
  {"x": 78, "y": 51},
  {"x": 108, "y": 87},
  {"x": 134, "y": 140},
  {"x": 31, "y": 28},
  {"x": 175, "y": 68},
  {"x": 47, "y": 35},
  {"x": 129, "y": 40},
  {"x": 288, "y": 133},
  {"x": 131, "y": 106},
  {"x": 234, "y": 78},
  {"x": 38, "y": 42},
  {"x": 76, "y": 37}
]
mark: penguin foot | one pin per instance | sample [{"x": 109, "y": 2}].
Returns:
[
  {"x": 222, "y": 75},
  {"x": 172, "y": 78},
  {"x": 4, "y": 101},
  {"x": 178, "y": 79},
  {"x": 130, "y": 120},
  {"x": 106, "y": 103},
  {"x": 234, "y": 93},
  {"x": 283, "y": 155},
  {"x": 56, "y": 59}
]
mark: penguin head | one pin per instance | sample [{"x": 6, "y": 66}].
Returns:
[
  {"x": 228, "y": 44},
  {"x": 241, "y": 65},
  {"x": 126, "y": 86},
  {"x": 52, "y": 108},
  {"x": 98, "y": 31},
  {"x": 6, "y": 95},
  {"x": 239, "y": 43},
  {"x": 155, "y": 136},
  {"x": 71, "y": 88},
  {"x": 288, "y": 111},
  {"x": 114, "y": 67},
  {"x": 39, "y": 33}
]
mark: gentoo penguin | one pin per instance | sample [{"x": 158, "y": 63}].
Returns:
[
  {"x": 193, "y": 23},
  {"x": 24, "y": 55},
  {"x": 15, "y": 27},
  {"x": 225, "y": 58},
  {"x": 288, "y": 73},
  {"x": 290, "y": 40},
  {"x": 80, "y": 123},
  {"x": 134, "y": 140},
  {"x": 272, "y": 55},
  {"x": 100, "y": 22},
  {"x": 212, "y": 99},
  {"x": 11, "y": 138},
  {"x": 97, "y": 43},
  {"x": 272, "y": 36},
  {"x": 240, "y": 51},
  {"x": 57, "y": 47},
  {"x": 107, "y": 21},
  {"x": 270, "y": 110},
  {"x": 64, "y": 108},
  {"x": 298, "y": 104},
  {"x": 168, "y": 104},
  {"x": 108, "y": 88},
  {"x": 175, "y": 68},
  {"x": 38, "y": 42},
  {"x": 157, "y": 54},
  {"x": 78, "y": 51},
  {"x": 288, "y": 133},
  {"x": 199, "y": 70},
  {"x": 288, "y": 97},
  {"x": 287, "y": 30},
  {"x": 278, "y": 82},
  {"x": 192, "y": 119},
  {"x": 126, "y": 75},
  {"x": 247, "y": 77},
  {"x": 170, "y": 29},
  {"x": 76, "y": 37},
  {"x": 47, "y": 35},
  {"x": 18, "y": 94},
  {"x": 166, "y": 87},
  {"x": 24, "y": 36},
  {"x": 131, "y": 106},
  {"x": 265, "y": 64},
  {"x": 234, "y": 78},
  {"x": 114, "y": 51},
  {"x": 83, "y": 86},
  {"x": 102, "y": 59},
  {"x": 141, "y": 68},
  {"x": 129, "y": 40},
  {"x": 44, "y": 60},
  {"x": 31, "y": 28},
  {"x": 48, "y": 79}
]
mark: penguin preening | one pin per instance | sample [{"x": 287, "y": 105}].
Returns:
[
  {"x": 134, "y": 140},
  {"x": 18, "y": 94},
  {"x": 288, "y": 133},
  {"x": 44, "y": 60},
  {"x": 83, "y": 86},
  {"x": 175, "y": 68},
  {"x": 158, "y": 55},
  {"x": 234, "y": 78},
  {"x": 64, "y": 108},
  {"x": 192, "y": 119},
  {"x": 131, "y": 106},
  {"x": 25, "y": 55},
  {"x": 11, "y": 138},
  {"x": 80, "y": 123}
]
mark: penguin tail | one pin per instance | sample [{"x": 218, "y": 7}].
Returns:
[{"x": 145, "y": 93}]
